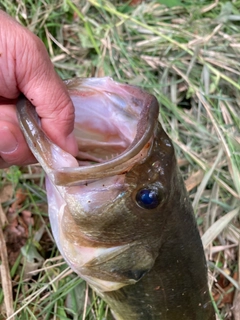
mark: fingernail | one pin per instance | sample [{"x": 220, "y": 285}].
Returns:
[
  {"x": 8, "y": 142},
  {"x": 71, "y": 144}
]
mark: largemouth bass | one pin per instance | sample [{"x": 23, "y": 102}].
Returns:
[{"x": 119, "y": 211}]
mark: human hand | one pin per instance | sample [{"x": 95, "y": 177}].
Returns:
[{"x": 26, "y": 67}]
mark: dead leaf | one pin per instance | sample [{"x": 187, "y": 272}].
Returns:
[
  {"x": 27, "y": 218},
  {"x": 194, "y": 180},
  {"x": 227, "y": 290},
  {"x": 19, "y": 198},
  {"x": 6, "y": 193},
  {"x": 16, "y": 232},
  {"x": 182, "y": 162},
  {"x": 3, "y": 218}
]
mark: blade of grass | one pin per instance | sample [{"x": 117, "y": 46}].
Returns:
[
  {"x": 86, "y": 24},
  {"x": 5, "y": 274},
  {"x": 216, "y": 228},
  {"x": 112, "y": 10}
]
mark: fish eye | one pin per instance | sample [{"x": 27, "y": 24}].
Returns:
[{"x": 148, "y": 198}]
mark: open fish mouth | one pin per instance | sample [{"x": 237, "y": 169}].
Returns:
[
  {"x": 114, "y": 127},
  {"x": 113, "y": 124}
]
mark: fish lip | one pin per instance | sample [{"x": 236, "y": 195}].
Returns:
[{"x": 124, "y": 162}]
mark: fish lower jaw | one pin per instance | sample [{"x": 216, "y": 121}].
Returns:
[
  {"x": 102, "y": 267},
  {"x": 83, "y": 259}
]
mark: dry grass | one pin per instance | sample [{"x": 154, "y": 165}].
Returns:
[{"x": 188, "y": 56}]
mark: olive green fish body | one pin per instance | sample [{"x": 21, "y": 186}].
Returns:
[
  {"x": 176, "y": 286},
  {"x": 119, "y": 211}
]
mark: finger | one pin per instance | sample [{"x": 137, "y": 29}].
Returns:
[
  {"x": 16, "y": 151},
  {"x": 3, "y": 164},
  {"x": 48, "y": 94},
  {"x": 13, "y": 147}
]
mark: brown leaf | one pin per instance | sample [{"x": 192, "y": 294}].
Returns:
[
  {"x": 19, "y": 199},
  {"x": 27, "y": 218},
  {"x": 16, "y": 233},
  {"x": 194, "y": 180},
  {"x": 6, "y": 193},
  {"x": 227, "y": 290},
  {"x": 182, "y": 162},
  {"x": 3, "y": 218}
]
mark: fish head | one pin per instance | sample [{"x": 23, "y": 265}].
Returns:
[{"x": 108, "y": 205}]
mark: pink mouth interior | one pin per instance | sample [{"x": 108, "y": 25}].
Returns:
[{"x": 103, "y": 127}]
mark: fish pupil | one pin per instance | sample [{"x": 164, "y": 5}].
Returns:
[{"x": 148, "y": 198}]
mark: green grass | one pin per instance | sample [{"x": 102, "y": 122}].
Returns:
[{"x": 182, "y": 54}]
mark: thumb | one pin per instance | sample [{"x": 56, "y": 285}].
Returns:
[{"x": 37, "y": 79}]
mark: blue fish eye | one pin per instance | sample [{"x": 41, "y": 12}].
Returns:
[{"x": 148, "y": 198}]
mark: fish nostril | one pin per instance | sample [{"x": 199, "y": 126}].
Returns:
[{"x": 148, "y": 198}]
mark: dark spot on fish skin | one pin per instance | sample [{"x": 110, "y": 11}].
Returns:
[{"x": 86, "y": 184}]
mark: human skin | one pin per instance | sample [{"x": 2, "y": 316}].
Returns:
[{"x": 25, "y": 67}]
